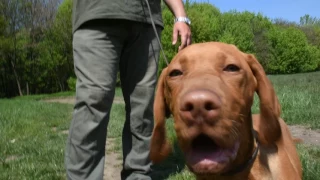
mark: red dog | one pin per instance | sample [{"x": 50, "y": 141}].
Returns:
[{"x": 209, "y": 90}]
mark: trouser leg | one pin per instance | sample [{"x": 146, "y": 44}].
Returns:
[
  {"x": 138, "y": 71},
  {"x": 97, "y": 50}
]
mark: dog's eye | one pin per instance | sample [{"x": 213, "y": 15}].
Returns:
[
  {"x": 175, "y": 72},
  {"x": 231, "y": 68}
]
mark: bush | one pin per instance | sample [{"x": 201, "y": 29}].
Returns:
[
  {"x": 237, "y": 30},
  {"x": 72, "y": 83},
  {"x": 290, "y": 52}
]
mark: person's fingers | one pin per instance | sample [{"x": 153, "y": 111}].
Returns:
[
  {"x": 183, "y": 41},
  {"x": 189, "y": 39},
  {"x": 182, "y": 30},
  {"x": 174, "y": 35}
]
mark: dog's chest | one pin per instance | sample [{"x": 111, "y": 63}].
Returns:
[{"x": 266, "y": 166}]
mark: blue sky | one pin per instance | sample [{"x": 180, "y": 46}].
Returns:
[{"x": 290, "y": 10}]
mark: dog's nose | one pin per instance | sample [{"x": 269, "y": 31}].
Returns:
[{"x": 199, "y": 106}]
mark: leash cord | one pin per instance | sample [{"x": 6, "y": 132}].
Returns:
[{"x": 155, "y": 31}]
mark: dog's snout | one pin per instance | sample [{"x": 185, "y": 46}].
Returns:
[{"x": 200, "y": 105}]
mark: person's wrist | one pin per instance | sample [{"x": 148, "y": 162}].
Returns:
[{"x": 183, "y": 19}]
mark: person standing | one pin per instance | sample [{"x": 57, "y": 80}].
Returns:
[{"x": 111, "y": 36}]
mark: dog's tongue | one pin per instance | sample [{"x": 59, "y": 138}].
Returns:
[
  {"x": 202, "y": 156},
  {"x": 211, "y": 156}
]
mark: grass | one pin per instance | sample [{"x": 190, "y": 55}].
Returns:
[
  {"x": 33, "y": 132},
  {"x": 299, "y": 98},
  {"x": 32, "y": 142},
  {"x": 33, "y": 136},
  {"x": 118, "y": 93},
  {"x": 47, "y": 96},
  {"x": 310, "y": 158}
]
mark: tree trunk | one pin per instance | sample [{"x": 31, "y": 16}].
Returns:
[
  {"x": 27, "y": 86},
  {"x": 17, "y": 78},
  {"x": 61, "y": 87}
]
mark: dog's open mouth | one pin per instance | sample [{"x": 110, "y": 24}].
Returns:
[{"x": 206, "y": 156}]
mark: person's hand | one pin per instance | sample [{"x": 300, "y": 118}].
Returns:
[{"x": 182, "y": 29}]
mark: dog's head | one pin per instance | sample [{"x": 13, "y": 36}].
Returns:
[{"x": 209, "y": 90}]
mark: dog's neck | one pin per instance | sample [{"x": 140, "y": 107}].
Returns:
[{"x": 246, "y": 165}]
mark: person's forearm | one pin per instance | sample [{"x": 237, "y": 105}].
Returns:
[{"x": 176, "y": 7}]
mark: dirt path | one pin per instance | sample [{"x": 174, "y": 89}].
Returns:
[
  {"x": 113, "y": 161},
  {"x": 71, "y": 100},
  {"x": 310, "y": 137}
]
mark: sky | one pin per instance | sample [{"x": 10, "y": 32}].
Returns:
[{"x": 290, "y": 10}]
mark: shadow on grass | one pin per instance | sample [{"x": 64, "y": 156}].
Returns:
[{"x": 174, "y": 164}]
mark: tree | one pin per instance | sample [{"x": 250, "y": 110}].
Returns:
[
  {"x": 308, "y": 20},
  {"x": 241, "y": 29},
  {"x": 57, "y": 47},
  {"x": 36, "y": 16},
  {"x": 206, "y": 22},
  {"x": 312, "y": 33},
  {"x": 290, "y": 51},
  {"x": 26, "y": 20}
]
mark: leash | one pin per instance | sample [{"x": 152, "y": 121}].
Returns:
[{"x": 155, "y": 31}]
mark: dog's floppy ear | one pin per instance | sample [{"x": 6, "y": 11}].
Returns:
[
  {"x": 269, "y": 126},
  {"x": 160, "y": 147}
]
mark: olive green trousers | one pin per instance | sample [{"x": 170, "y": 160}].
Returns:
[{"x": 101, "y": 48}]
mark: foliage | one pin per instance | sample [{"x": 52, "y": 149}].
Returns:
[
  {"x": 23, "y": 29},
  {"x": 238, "y": 30},
  {"x": 290, "y": 52},
  {"x": 36, "y": 43},
  {"x": 72, "y": 83},
  {"x": 308, "y": 20},
  {"x": 57, "y": 47}
]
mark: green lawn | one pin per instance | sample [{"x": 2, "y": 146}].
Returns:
[
  {"x": 32, "y": 142},
  {"x": 299, "y": 96},
  {"x": 33, "y": 136},
  {"x": 33, "y": 132}
]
